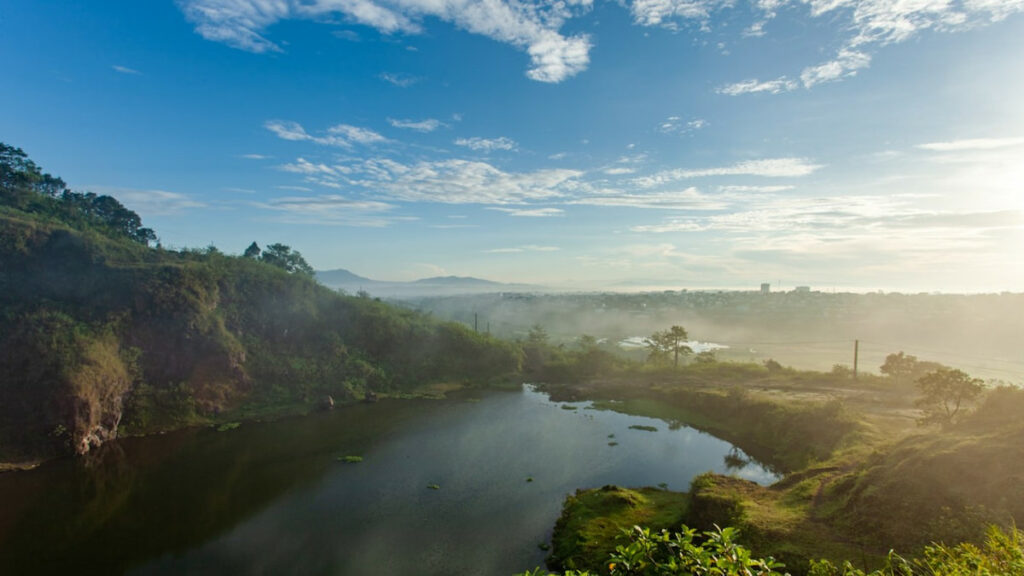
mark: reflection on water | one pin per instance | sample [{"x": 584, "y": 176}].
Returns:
[{"x": 271, "y": 498}]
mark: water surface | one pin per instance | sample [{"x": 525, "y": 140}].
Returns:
[{"x": 271, "y": 498}]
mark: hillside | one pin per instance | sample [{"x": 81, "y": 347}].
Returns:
[{"x": 104, "y": 335}]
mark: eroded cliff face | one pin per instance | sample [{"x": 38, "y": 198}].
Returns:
[{"x": 94, "y": 400}]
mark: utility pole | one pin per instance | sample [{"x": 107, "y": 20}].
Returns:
[{"x": 856, "y": 353}]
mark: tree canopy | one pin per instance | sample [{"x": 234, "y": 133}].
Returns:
[
  {"x": 668, "y": 344},
  {"x": 944, "y": 394},
  {"x": 24, "y": 186},
  {"x": 284, "y": 257}
]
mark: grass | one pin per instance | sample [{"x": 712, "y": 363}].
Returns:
[
  {"x": 644, "y": 428},
  {"x": 350, "y": 459},
  {"x": 592, "y": 522}
]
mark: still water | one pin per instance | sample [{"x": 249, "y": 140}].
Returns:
[{"x": 272, "y": 498}]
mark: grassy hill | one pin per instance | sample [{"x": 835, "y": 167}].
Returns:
[{"x": 103, "y": 334}]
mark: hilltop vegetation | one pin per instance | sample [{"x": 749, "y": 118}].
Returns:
[
  {"x": 924, "y": 454},
  {"x": 103, "y": 334}
]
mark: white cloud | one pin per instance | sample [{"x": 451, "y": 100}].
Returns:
[
  {"x": 529, "y": 26},
  {"x": 687, "y": 199},
  {"x": 767, "y": 168},
  {"x": 865, "y": 25},
  {"x": 676, "y": 125},
  {"x": 428, "y": 125},
  {"x": 451, "y": 181},
  {"x": 754, "y": 86},
  {"x": 356, "y": 134},
  {"x": 972, "y": 144},
  {"x": 150, "y": 202},
  {"x": 126, "y": 70},
  {"x": 618, "y": 171},
  {"x": 342, "y": 135},
  {"x": 332, "y": 209},
  {"x": 846, "y": 64},
  {"x": 754, "y": 189},
  {"x": 400, "y": 80},
  {"x": 531, "y": 212},
  {"x": 520, "y": 249},
  {"x": 487, "y": 144}
]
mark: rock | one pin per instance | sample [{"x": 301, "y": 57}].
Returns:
[{"x": 327, "y": 402}]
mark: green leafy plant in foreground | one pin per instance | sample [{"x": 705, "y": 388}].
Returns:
[{"x": 682, "y": 553}]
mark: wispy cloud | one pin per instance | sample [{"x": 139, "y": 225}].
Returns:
[
  {"x": 521, "y": 249},
  {"x": 487, "y": 144},
  {"x": 450, "y": 181},
  {"x": 972, "y": 144},
  {"x": 869, "y": 26},
  {"x": 688, "y": 199},
  {"x": 400, "y": 80},
  {"x": 755, "y": 86},
  {"x": 150, "y": 202},
  {"x": 845, "y": 64},
  {"x": 331, "y": 210},
  {"x": 532, "y": 27},
  {"x": 427, "y": 125},
  {"x": 678, "y": 125},
  {"x": 767, "y": 168},
  {"x": 531, "y": 212},
  {"x": 342, "y": 135},
  {"x": 255, "y": 156},
  {"x": 126, "y": 70}
]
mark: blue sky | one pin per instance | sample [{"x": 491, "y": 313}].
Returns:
[{"x": 852, "y": 144}]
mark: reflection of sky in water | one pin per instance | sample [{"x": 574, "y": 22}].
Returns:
[{"x": 379, "y": 517}]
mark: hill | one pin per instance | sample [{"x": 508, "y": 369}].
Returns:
[{"x": 104, "y": 335}]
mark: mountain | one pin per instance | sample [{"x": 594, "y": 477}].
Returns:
[
  {"x": 458, "y": 281},
  {"x": 341, "y": 276},
  {"x": 435, "y": 286}
]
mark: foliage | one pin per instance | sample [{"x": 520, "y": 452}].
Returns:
[
  {"x": 102, "y": 334},
  {"x": 944, "y": 394},
  {"x": 668, "y": 344},
  {"x": 1002, "y": 554},
  {"x": 283, "y": 257},
  {"x": 905, "y": 368},
  {"x": 664, "y": 553},
  {"x": 25, "y": 187}
]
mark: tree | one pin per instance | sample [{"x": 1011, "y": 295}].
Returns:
[
  {"x": 253, "y": 251},
  {"x": 671, "y": 342},
  {"x": 287, "y": 259},
  {"x": 944, "y": 394},
  {"x": 899, "y": 366}
]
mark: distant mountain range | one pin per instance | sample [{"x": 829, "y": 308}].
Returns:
[{"x": 434, "y": 286}]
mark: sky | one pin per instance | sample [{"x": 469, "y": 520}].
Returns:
[{"x": 582, "y": 144}]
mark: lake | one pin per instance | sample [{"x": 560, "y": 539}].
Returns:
[{"x": 272, "y": 497}]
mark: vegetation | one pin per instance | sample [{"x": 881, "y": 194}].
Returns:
[
  {"x": 668, "y": 344},
  {"x": 944, "y": 393},
  {"x": 717, "y": 552},
  {"x": 104, "y": 335}
]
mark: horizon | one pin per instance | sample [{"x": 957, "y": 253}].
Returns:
[{"x": 849, "y": 145}]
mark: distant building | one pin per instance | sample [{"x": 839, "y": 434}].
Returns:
[
  {"x": 802, "y": 289},
  {"x": 765, "y": 288}
]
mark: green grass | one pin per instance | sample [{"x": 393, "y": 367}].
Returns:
[
  {"x": 592, "y": 522},
  {"x": 644, "y": 428},
  {"x": 350, "y": 459}
]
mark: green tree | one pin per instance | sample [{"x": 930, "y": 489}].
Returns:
[
  {"x": 253, "y": 251},
  {"x": 285, "y": 258},
  {"x": 668, "y": 343},
  {"x": 944, "y": 394},
  {"x": 899, "y": 366}
]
